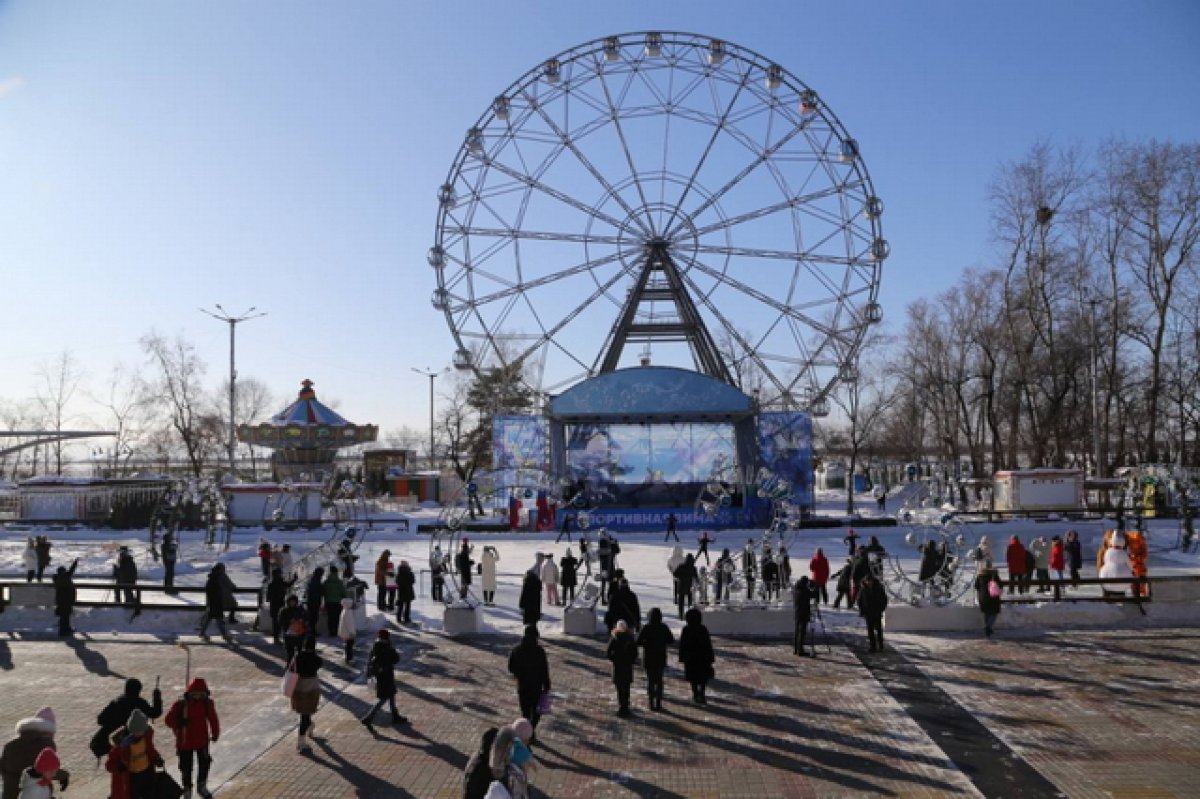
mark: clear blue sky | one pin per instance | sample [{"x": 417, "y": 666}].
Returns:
[{"x": 156, "y": 157}]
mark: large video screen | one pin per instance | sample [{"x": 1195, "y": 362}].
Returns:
[
  {"x": 519, "y": 452},
  {"x": 646, "y": 463}
]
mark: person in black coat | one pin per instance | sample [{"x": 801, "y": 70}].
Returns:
[
  {"x": 527, "y": 662},
  {"x": 622, "y": 651},
  {"x": 116, "y": 713},
  {"x": 654, "y": 638},
  {"x": 169, "y": 552},
  {"x": 725, "y": 568},
  {"x": 530, "y": 602},
  {"x": 842, "y": 579},
  {"x": 405, "y": 592},
  {"x": 872, "y": 602},
  {"x": 463, "y": 563},
  {"x": 803, "y": 594},
  {"x": 214, "y": 602},
  {"x": 623, "y": 606},
  {"x": 381, "y": 665},
  {"x": 314, "y": 595},
  {"x": 277, "y": 593},
  {"x": 125, "y": 573},
  {"x": 686, "y": 578},
  {"x": 64, "y": 597},
  {"x": 567, "y": 566},
  {"x": 292, "y": 622},
  {"x": 477, "y": 777},
  {"x": 696, "y": 654}
]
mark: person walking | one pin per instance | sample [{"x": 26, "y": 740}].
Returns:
[
  {"x": 29, "y": 559},
  {"x": 549, "y": 577},
  {"x": 463, "y": 563},
  {"x": 696, "y": 654},
  {"x": 567, "y": 567},
  {"x": 65, "y": 597},
  {"x": 42, "y": 545},
  {"x": 381, "y": 591},
  {"x": 527, "y": 663},
  {"x": 116, "y": 713},
  {"x": 851, "y": 541},
  {"x": 1014, "y": 557},
  {"x": 406, "y": 592},
  {"x": 347, "y": 629},
  {"x": 686, "y": 578},
  {"x": 277, "y": 594},
  {"x": 984, "y": 555},
  {"x": 306, "y": 696},
  {"x": 1074, "y": 552},
  {"x": 565, "y": 531},
  {"x": 477, "y": 776},
  {"x": 313, "y": 597},
  {"x": 487, "y": 577},
  {"x": 704, "y": 540},
  {"x": 654, "y": 639},
  {"x": 333, "y": 591},
  {"x": 622, "y": 651},
  {"x": 872, "y": 602},
  {"x": 1040, "y": 548},
  {"x": 133, "y": 759},
  {"x": 803, "y": 594},
  {"x": 842, "y": 580},
  {"x": 381, "y": 667},
  {"x": 671, "y": 524},
  {"x": 437, "y": 578},
  {"x": 987, "y": 596},
  {"x": 818, "y": 571},
  {"x": 292, "y": 621},
  {"x": 169, "y": 552},
  {"x": 193, "y": 719},
  {"x": 125, "y": 575},
  {"x": 33, "y": 735},
  {"x": 214, "y": 603},
  {"x": 264, "y": 557},
  {"x": 624, "y": 606},
  {"x": 530, "y": 601}
]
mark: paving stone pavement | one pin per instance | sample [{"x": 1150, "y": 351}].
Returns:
[{"x": 1093, "y": 714}]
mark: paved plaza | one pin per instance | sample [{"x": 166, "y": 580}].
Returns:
[{"x": 1066, "y": 713}]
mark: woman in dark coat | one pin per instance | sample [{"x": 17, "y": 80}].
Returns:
[
  {"x": 306, "y": 697},
  {"x": 527, "y": 662},
  {"x": 530, "y": 602},
  {"x": 1074, "y": 552},
  {"x": 987, "y": 594},
  {"x": 381, "y": 665},
  {"x": 685, "y": 578},
  {"x": 655, "y": 637},
  {"x": 313, "y": 596},
  {"x": 463, "y": 563},
  {"x": 696, "y": 654},
  {"x": 567, "y": 566},
  {"x": 405, "y": 593},
  {"x": 803, "y": 594},
  {"x": 622, "y": 651},
  {"x": 64, "y": 597},
  {"x": 277, "y": 593}
]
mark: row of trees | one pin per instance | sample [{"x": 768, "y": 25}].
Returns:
[{"x": 1078, "y": 346}]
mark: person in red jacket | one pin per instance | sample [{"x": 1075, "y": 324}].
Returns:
[
  {"x": 133, "y": 759},
  {"x": 194, "y": 720},
  {"x": 1015, "y": 557},
  {"x": 1058, "y": 557},
  {"x": 818, "y": 568}
]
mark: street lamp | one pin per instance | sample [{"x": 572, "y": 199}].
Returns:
[
  {"x": 232, "y": 321},
  {"x": 432, "y": 375}
]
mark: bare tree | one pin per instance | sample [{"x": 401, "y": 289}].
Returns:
[
  {"x": 126, "y": 407},
  {"x": 252, "y": 402},
  {"x": 178, "y": 391},
  {"x": 59, "y": 380},
  {"x": 865, "y": 400}
]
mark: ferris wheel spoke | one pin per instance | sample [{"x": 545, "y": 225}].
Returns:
[
  {"x": 767, "y": 210},
  {"x": 750, "y": 291},
  {"x": 545, "y": 280},
  {"x": 568, "y": 142},
  {"x": 562, "y": 197},
  {"x": 745, "y": 172},
  {"x": 517, "y": 233},
  {"x": 620, "y": 131},
  {"x": 777, "y": 255}
]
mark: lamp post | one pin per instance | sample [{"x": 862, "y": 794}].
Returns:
[
  {"x": 232, "y": 321},
  {"x": 432, "y": 375}
]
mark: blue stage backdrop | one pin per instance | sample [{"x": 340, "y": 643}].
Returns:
[
  {"x": 519, "y": 450},
  {"x": 785, "y": 447}
]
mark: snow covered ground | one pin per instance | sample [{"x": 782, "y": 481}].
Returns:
[{"x": 643, "y": 557}]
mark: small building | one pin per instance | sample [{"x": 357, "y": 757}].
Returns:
[{"x": 1038, "y": 490}]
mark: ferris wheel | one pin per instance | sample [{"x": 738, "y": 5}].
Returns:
[{"x": 661, "y": 198}]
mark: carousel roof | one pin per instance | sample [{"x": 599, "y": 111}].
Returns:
[{"x": 307, "y": 409}]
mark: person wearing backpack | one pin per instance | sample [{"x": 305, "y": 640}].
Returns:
[
  {"x": 987, "y": 594},
  {"x": 117, "y": 712},
  {"x": 193, "y": 719},
  {"x": 381, "y": 667}
]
